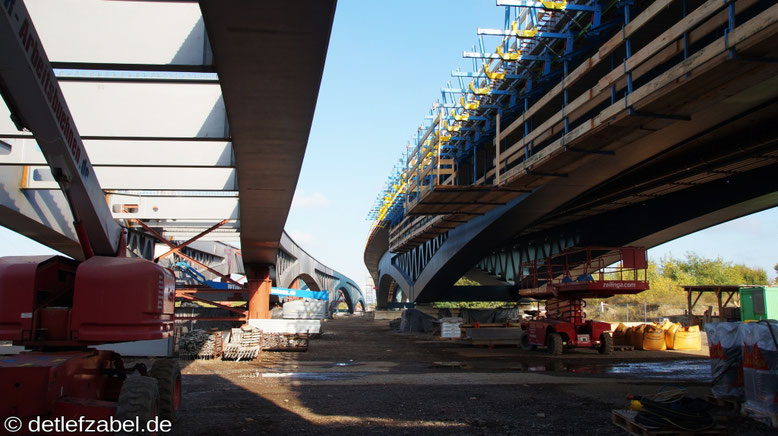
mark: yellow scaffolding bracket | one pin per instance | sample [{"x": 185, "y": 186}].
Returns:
[
  {"x": 478, "y": 91},
  {"x": 463, "y": 117},
  {"x": 528, "y": 33},
  {"x": 509, "y": 56},
  {"x": 471, "y": 106},
  {"x": 554, "y": 5},
  {"x": 493, "y": 75},
  {"x": 389, "y": 201},
  {"x": 450, "y": 129},
  {"x": 438, "y": 139}
]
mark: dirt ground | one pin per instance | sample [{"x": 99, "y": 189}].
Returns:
[{"x": 361, "y": 378}]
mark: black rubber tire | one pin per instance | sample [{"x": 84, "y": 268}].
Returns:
[
  {"x": 168, "y": 375},
  {"x": 139, "y": 397},
  {"x": 554, "y": 343},
  {"x": 525, "y": 345},
  {"x": 606, "y": 344}
]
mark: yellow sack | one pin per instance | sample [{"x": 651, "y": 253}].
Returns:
[
  {"x": 686, "y": 338},
  {"x": 670, "y": 335},
  {"x": 636, "y": 338},
  {"x": 654, "y": 338},
  {"x": 619, "y": 335},
  {"x": 666, "y": 324}
]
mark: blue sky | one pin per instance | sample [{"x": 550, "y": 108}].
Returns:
[{"x": 386, "y": 64}]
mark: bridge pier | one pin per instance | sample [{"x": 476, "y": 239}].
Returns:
[{"x": 259, "y": 285}]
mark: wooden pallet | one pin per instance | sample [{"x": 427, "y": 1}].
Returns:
[{"x": 626, "y": 420}]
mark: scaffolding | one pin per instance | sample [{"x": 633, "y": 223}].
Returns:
[
  {"x": 555, "y": 74},
  {"x": 461, "y": 121}
]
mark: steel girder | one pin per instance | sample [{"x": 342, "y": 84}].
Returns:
[{"x": 504, "y": 262}]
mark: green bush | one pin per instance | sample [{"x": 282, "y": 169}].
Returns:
[{"x": 667, "y": 276}]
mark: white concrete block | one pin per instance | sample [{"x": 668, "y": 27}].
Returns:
[{"x": 288, "y": 326}]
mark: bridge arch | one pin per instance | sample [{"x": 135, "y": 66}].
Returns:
[
  {"x": 294, "y": 263},
  {"x": 309, "y": 281},
  {"x": 351, "y": 294},
  {"x": 392, "y": 287}
]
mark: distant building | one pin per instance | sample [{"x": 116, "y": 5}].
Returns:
[{"x": 369, "y": 291}]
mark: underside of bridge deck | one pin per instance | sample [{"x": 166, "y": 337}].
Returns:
[{"x": 270, "y": 58}]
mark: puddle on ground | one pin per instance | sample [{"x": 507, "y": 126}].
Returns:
[
  {"x": 450, "y": 364},
  {"x": 349, "y": 363},
  {"x": 322, "y": 376},
  {"x": 685, "y": 370}
]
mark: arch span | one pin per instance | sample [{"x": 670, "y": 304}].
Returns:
[
  {"x": 309, "y": 281},
  {"x": 351, "y": 294},
  {"x": 295, "y": 263}
]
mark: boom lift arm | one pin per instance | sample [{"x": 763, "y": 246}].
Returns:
[
  {"x": 57, "y": 307},
  {"x": 31, "y": 91}
]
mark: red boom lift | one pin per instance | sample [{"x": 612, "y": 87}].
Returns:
[
  {"x": 56, "y": 307},
  {"x": 564, "y": 280}
]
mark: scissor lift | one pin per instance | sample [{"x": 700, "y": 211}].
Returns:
[{"x": 564, "y": 280}]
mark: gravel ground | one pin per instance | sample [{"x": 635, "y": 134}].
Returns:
[{"x": 362, "y": 378}]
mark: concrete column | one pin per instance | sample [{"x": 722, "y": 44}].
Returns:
[{"x": 259, "y": 285}]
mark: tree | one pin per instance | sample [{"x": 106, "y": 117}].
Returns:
[
  {"x": 667, "y": 276},
  {"x": 465, "y": 281},
  {"x": 776, "y": 274},
  {"x": 697, "y": 270}
]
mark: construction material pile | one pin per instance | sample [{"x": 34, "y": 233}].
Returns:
[
  {"x": 414, "y": 320},
  {"x": 284, "y": 342},
  {"x": 247, "y": 342},
  {"x": 648, "y": 337},
  {"x": 669, "y": 411},
  {"x": 656, "y": 336},
  {"x": 244, "y": 344},
  {"x": 678, "y": 337},
  {"x": 760, "y": 370},
  {"x": 726, "y": 357},
  {"x": 198, "y": 344},
  {"x": 744, "y": 366}
]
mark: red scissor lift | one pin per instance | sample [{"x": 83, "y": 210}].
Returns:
[{"x": 564, "y": 280}]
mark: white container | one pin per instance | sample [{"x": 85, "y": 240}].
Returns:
[
  {"x": 305, "y": 309},
  {"x": 288, "y": 326}
]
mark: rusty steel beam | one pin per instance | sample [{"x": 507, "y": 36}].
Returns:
[
  {"x": 220, "y": 306},
  {"x": 200, "y": 264},
  {"x": 192, "y": 239}
]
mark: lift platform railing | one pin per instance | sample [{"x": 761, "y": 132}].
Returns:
[{"x": 588, "y": 271}]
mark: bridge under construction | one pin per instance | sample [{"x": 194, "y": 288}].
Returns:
[{"x": 586, "y": 123}]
